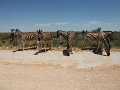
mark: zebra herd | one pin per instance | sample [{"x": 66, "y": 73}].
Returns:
[{"x": 102, "y": 38}]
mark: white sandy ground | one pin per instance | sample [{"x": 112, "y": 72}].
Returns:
[
  {"x": 82, "y": 70},
  {"x": 82, "y": 59}
]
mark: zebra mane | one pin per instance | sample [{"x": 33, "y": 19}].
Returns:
[
  {"x": 65, "y": 34},
  {"x": 109, "y": 35}
]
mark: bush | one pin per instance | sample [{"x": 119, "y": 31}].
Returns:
[{"x": 79, "y": 41}]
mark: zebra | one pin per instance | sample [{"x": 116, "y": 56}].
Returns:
[
  {"x": 68, "y": 36},
  {"x": 12, "y": 36},
  {"x": 103, "y": 41},
  {"x": 23, "y": 37},
  {"x": 44, "y": 37}
]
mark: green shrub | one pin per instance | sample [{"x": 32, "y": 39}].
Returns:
[{"x": 79, "y": 41}]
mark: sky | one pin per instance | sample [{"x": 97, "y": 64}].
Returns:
[{"x": 52, "y": 15}]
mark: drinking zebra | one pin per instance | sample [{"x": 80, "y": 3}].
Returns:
[
  {"x": 68, "y": 36},
  {"x": 44, "y": 37},
  {"x": 102, "y": 39},
  {"x": 23, "y": 37}
]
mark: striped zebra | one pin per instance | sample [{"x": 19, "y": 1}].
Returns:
[
  {"x": 102, "y": 39},
  {"x": 12, "y": 36},
  {"x": 44, "y": 37},
  {"x": 23, "y": 37},
  {"x": 68, "y": 36}
]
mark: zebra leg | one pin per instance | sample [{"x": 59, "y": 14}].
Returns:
[
  {"x": 12, "y": 45},
  {"x": 107, "y": 48},
  {"x": 45, "y": 45},
  {"x": 71, "y": 48},
  {"x": 99, "y": 49},
  {"x": 74, "y": 44},
  {"x": 90, "y": 43},
  {"x": 38, "y": 43},
  {"x": 29, "y": 45},
  {"x": 23, "y": 44},
  {"x": 51, "y": 44}
]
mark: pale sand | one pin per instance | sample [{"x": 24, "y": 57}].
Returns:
[{"x": 67, "y": 73}]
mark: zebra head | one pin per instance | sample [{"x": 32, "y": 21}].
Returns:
[
  {"x": 109, "y": 35},
  {"x": 107, "y": 48},
  {"x": 59, "y": 33},
  {"x": 40, "y": 36},
  {"x": 17, "y": 33},
  {"x": 12, "y": 35},
  {"x": 84, "y": 34},
  {"x": 64, "y": 34}
]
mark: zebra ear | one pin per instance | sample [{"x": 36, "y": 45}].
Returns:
[
  {"x": 83, "y": 32},
  {"x": 40, "y": 30},
  {"x": 12, "y": 30},
  {"x": 16, "y": 30}
]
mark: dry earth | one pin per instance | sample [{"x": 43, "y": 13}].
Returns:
[{"x": 53, "y": 71}]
